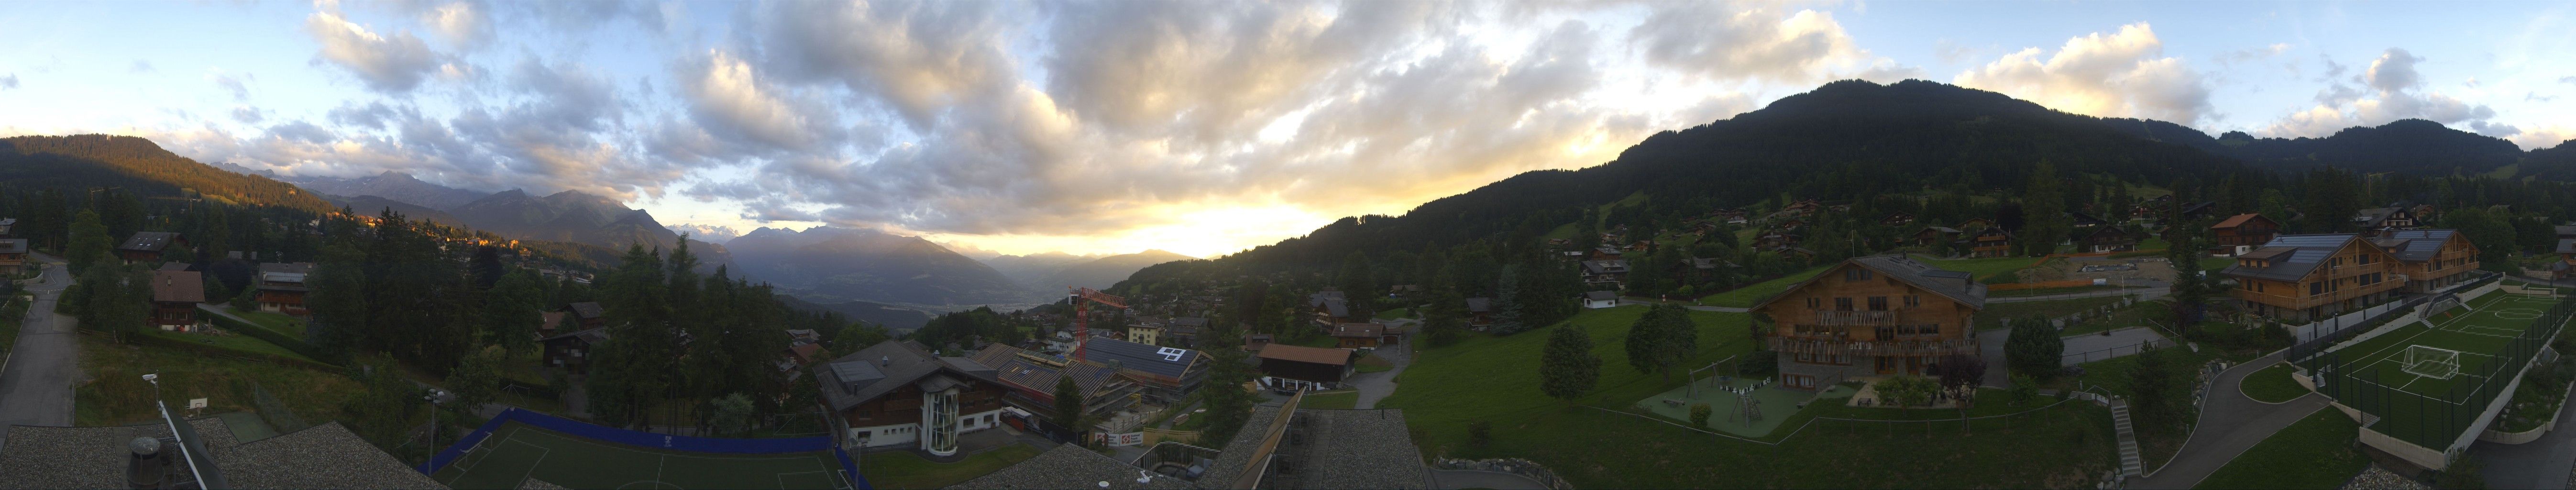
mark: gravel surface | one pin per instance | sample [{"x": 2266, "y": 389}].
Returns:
[
  {"x": 1359, "y": 449},
  {"x": 2380, "y": 479},
  {"x": 325, "y": 456}
]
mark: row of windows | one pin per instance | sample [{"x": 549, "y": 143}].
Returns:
[
  {"x": 1876, "y": 303},
  {"x": 1814, "y": 358}
]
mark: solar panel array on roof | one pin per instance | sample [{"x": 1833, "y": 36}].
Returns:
[
  {"x": 856, "y": 374},
  {"x": 2421, "y": 245},
  {"x": 1141, "y": 357}
]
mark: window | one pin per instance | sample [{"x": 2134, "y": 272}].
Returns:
[
  {"x": 1878, "y": 303},
  {"x": 1842, "y": 304},
  {"x": 2316, "y": 288},
  {"x": 1933, "y": 329},
  {"x": 1815, "y": 303},
  {"x": 1855, "y": 274},
  {"x": 1913, "y": 301}
]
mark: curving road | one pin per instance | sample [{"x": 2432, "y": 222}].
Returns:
[
  {"x": 2230, "y": 423},
  {"x": 36, "y": 383}
]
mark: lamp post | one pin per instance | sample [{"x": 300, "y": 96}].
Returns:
[{"x": 432, "y": 398}]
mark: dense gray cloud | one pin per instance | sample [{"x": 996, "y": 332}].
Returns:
[
  {"x": 9, "y": 81},
  {"x": 2388, "y": 90}
]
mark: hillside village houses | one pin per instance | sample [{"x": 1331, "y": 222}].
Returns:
[
  {"x": 2300, "y": 278},
  {"x": 2244, "y": 230},
  {"x": 1869, "y": 316},
  {"x": 176, "y": 292},
  {"x": 281, "y": 287},
  {"x": 1030, "y": 378},
  {"x": 1294, "y": 367}
]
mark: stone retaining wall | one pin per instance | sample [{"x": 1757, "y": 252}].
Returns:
[{"x": 1516, "y": 466}]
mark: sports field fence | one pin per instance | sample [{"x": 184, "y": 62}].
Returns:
[{"x": 2434, "y": 421}]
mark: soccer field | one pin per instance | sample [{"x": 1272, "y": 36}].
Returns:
[
  {"x": 517, "y": 452},
  {"x": 2420, "y": 404}
]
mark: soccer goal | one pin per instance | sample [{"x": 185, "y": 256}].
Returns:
[
  {"x": 2441, "y": 304},
  {"x": 2432, "y": 362}
]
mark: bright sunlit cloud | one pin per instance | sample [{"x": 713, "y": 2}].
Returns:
[{"x": 1201, "y": 128}]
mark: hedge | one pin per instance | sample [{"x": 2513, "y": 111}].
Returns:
[{"x": 273, "y": 337}]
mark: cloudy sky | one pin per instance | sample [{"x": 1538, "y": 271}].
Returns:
[{"x": 1197, "y": 127}]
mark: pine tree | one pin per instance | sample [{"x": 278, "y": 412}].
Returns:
[
  {"x": 1568, "y": 368},
  {"x": 89, "y": 242},
  {"x": 1507, "y": 306},
  {"x": 1068, "y": 404},
  {"x": 2034, "y": 348},
  {"x": 338, "y": 302}
]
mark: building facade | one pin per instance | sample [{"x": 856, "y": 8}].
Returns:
[
  {"x": 2300, "y": 278},
  {"x": 1872, "y": 316},
  {"x": 898, "y": 393},
  {"x": 2244, "y": 230},
  {"x": 2431, "y": 259}
]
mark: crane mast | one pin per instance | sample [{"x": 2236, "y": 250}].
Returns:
[{"x": 1082, "y": 299}]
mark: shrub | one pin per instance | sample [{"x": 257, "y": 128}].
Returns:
[
  {"x": 1699, "y": 413},
  {"x": 1760, "y": 363}
]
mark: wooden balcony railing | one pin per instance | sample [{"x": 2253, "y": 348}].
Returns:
[{"x": 1848, "y": 318}]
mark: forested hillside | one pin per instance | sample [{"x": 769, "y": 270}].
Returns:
[{"x": 139, "y": 166}]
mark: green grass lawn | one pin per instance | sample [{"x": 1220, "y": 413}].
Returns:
[
  {"x": 1493, "y": 379},
  {"x": 11, "y": 315},
  {"x": 292, "y": 327},
  {"x": 2317, "y": 452},
  {"x": 242, "y": 343},
  {"x": 2480, "y": 333},
  {"x": 2273, "y": 385},
  {"x": 1981, "y": 268},
  {"x": 1374, "y": 364},
  {"x": 1744, "y": 297},
  {"x": 902, "y": 469},
  {"x": 115, "y": 393},
  {"x": 1395, "y": 314},
  {"x": 1562, "y": 232},
  {"x": 1331, "y": 400},
  {"x": 1995, "y": 313}
]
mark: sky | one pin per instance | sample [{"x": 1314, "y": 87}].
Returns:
[{"x": 1201, "y": 128}]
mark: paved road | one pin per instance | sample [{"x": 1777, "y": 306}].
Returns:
[
  {"x": 1376, "y": 386},
  {"x": 2145, "y": 289},
  {"x": 2230, "y": 423},
  {"x": 2095, "y": 347},
  {"x": 36, "y": 383},
  {"x": 1482, "y": 479},
  {"x": 2543, "y": 463}
]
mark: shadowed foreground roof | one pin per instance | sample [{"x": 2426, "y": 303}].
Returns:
[{"x": 323, "y": 456}]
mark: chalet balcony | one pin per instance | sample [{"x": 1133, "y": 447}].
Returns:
[
  {"x": 1865, "y": 348},
  {"x": 1849, "y": 318}
]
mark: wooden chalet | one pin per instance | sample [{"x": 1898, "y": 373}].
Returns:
[
  {"x": 585, "y": 315},
  {"x": 2109, "y": 239},
  {"x": 1897, "y": 219},
  {"x": 2377, "y": 221},
  {"x": 1480, "y": 313},
  {"x": 281, "y": 287},
  {"x": 1358, "y": 335},
  {"x": 1974, "y": 224},
  {"x": 2299, "y": 278},
  {"x": 571, "y": 351},
  {"x": 2248, "y": 229},
  {"x": 175, "y": 295},
  {"x": 1988, "y": 242},
  {"x": 2086, "y": 220},
  {"x": 1329, "y": 306},
  {"x": 1935, "y": 236},
  {"x": 1294, "y": 367},
  {"x": 146, "y": 247},
  {"x": 2430, "y": 259},
  {"x": 13, "y": 255},
  {"x": 1605, "y": 272},
  {"x": 1872, "y": 316}
]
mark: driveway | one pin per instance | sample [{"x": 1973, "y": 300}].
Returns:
[
  {"x": 2231, "y": 423},
  {"x": 36, "y": 382},
  {"x": 2543, "y": 463},
  {"x": 1376, "y": 386},
  {"x": 2094, "y": 347},
  {"x": 1482, "y": 479}
]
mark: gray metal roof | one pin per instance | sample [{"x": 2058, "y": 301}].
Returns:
[
  {"x": 1165, "y": 361},
  {"x": 1480, "y": 305},
  {"x": 845, "y": 382},
  {"x": 13, "y": 245},
  {"x": 1601, "y": 295},
  {"x": 2421, "y": 245},
  {"x": 2567, "y": 245},
  {"x": 2293, "y": 256},
  {"x": 1956, "y": 285},
  {"x": 149, "y": 241}
]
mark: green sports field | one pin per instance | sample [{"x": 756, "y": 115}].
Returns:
[
  {"x": 2431, "y": 410},
  {"x": 518, "y": 452}
]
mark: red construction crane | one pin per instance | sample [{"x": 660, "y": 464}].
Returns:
[{"x": 1082, "y": 299}]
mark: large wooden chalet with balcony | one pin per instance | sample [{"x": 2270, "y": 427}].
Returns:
[
  {"x": 2300, "y": 278},
  {"x": 1872, "y": 316},
  {"x": 2247, "y": 230},
  {"x": 2430, "y": 259}
]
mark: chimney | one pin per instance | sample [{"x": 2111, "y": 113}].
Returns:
[
  {"x": 885, "y": 360},
  {"x": 144, "y": 467}
]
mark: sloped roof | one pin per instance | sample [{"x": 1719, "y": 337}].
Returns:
[
  {"x": 1358, "y": 330},
  {"x": 2293, "y": 256},
  {"x": 878, "y": 369},
  {"x": 2237, "y": 220},
  {"x": 1337, "y": 307},
  {"x": 292, "y": 268},
  {"x": 592, "y": 335},
  {"x": 2565, "y": 230},
  {"x": 1480, "y": 305},
  {"x": 149, "y": 241},
  {"x": 1009, "y": 367},
  {"x": 2421, "y": 245},
  {"x": 552, "y": 319},
  {"x": 2567, "y": 245},
  {"x": 1943, "y": 229},
  {"x": 1152, "y": 359},
  {"x": 1299, "y": 353},
  {"x": 13, "y": 245},
  {"x": 178, "y": 287},
  {"x": 586, "y": 310},
  {"x": 1955, "y": 285},
  {"x": 1597, "y": 295}
]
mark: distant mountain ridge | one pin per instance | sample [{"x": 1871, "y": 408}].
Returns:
[
  {"x": 392, "y": 185},
  {"x": 373, "y": 205},
  {"x": 831, "y": 264},
  {"x": 1103, "y": 272},
  {"x": 2412, "y": 146},
  {"x": 139, "y": 166},
  {"x": 574, "y": 216},
  {"x": 1034, "y": 268}
]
